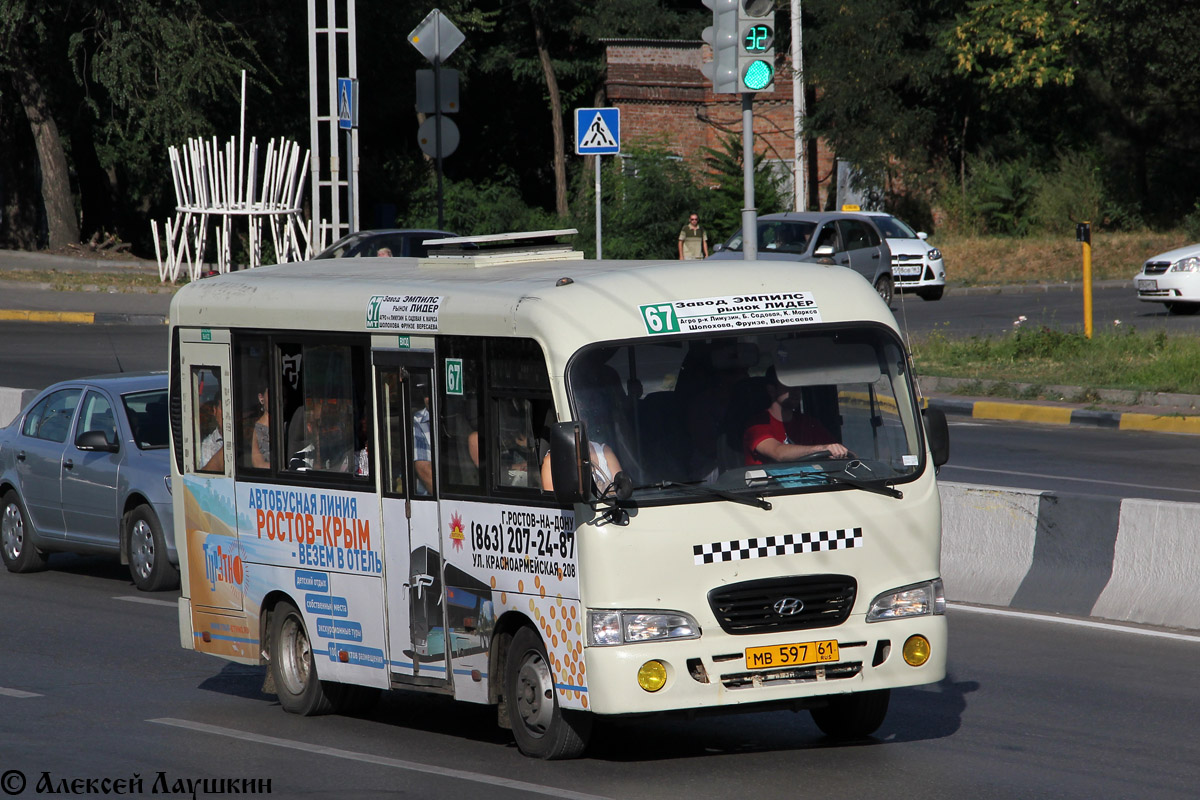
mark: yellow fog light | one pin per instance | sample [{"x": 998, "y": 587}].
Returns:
[
  {"x": 916, "y": 650},
  {"x": 652, "y": 676}
]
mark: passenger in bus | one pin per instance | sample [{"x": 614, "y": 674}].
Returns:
[
  {"x": 212, "y": 447},
  {"x": 422, "y": 448},
  {"x": 260, "y": 442},
  {"x": 783, "y": 432}
]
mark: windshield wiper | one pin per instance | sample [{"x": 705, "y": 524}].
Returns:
[
  {"x": 877, "y": 485},
  {"x": 709, "y": 491}
]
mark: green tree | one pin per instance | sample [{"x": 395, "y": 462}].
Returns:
[{"x": 721, "y": 208}]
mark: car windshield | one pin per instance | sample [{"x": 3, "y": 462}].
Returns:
[
  {"x": 678, "y": 414},
  {"x": 781, "y": 236},
  {"x": 893, "y": 228}
]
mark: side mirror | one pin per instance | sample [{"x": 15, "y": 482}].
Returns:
[
  {"x": 938, "y": 434},
  {"x": 922, "y": 235},
  {"x": 718, "y": 247},
  {"x": 96, "y": 441},
  {"x": 570, "y": 464},
  {"x": 824, "y": 251}
]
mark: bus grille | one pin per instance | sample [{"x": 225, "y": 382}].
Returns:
[{"x": 751, "y": 607}]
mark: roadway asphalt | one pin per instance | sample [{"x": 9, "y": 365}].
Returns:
[{"x": 42, "y": 302}]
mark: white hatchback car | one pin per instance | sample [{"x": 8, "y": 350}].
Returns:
[
  {"x": 917, "y": 266},
  {"x": 1173, "y": 279}
]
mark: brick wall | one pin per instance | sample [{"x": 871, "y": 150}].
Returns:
[{"x": 665, "y": 98}]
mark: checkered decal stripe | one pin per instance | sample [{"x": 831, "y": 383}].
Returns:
[{"x": 785, "y": 545}]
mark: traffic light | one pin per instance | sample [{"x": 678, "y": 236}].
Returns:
[
  {"x": 756, "y": 45},
  {"x": 722, "y": 36}
]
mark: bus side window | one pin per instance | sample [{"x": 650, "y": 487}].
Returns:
[
  {"x": 394, "y": 425},
  {"x": 463, "y": 446}
]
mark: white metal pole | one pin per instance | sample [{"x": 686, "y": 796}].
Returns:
[
  {"x": 749, "y": 212},
  {"x": 598, "y": 248},
  {"x": 799, "y": 168}
]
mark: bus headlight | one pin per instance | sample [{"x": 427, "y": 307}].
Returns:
[
  {"x": 918, "y": 600},
  {"x": 608, "y": 627}
]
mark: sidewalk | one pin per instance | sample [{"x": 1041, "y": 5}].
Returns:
[{"x": 42, "y": 301}]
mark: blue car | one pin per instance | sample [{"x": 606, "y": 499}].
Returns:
[{"x": 85, "y": 468}]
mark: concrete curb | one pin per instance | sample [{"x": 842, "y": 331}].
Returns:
[
  {"x": 82, "y": 317},
  {"x": 1065, "y": 415},
  {"x": 12, "y": 401},
  {"x": 1128, "y": 560}
]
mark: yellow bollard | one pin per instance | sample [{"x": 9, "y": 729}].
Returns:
[{"x": 1083, "y": 233}]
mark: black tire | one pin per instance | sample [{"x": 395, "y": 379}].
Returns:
[
  {"x": 293, "y": 667},
  {"x": 1182, "y": 309},
  {"x": 149, "y": 566},
  {"x": 885, "y": 288},
  {"x": 932, "y": 293},
  {"x": 853, "y": 716},
  {"x": 542, "y": 729},
  {"x": 16, "y": 537}
]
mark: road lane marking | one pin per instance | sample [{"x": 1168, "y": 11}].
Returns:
[
  {"x": 1067, "y": 478},
  {"x": 1113, "y": 627},
  {"x": 21, "y": 315},
  {"x": 412, "y": 766},
  {"x": 150, "y": 601},
  {"x": 17, "y": 693}
]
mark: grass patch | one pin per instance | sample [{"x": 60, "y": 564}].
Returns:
[
  {"x": 995, "y": 260},
  {"x": 91, "y": 281},
  {"x": 1141, "y": 362}
]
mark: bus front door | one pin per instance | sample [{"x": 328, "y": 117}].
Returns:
[{"x": 418, "y": 650}]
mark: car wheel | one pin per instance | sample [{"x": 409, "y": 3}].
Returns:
[
  {"x": 16, "y": 537},
  {"x": 293, "y": 667},
  {"x": 542, "y": 729},
  {"x": 1182, "y": 309},
  {"x": 149, "y": 566},
  {"x": 852, "y": 716},
  {"x": 884, "y": 287},
  {"x": 932, "y": 293}
]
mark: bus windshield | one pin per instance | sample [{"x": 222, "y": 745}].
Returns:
[{"x": 772, "y": 411}]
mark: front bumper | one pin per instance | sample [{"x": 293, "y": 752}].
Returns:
[
  {"x": 1183, "y": 287},
  {"x": 910, "y": 275},
  {"x": 711, "y": 672}
]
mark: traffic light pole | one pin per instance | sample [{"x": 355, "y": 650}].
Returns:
[{"x": 749, "y": 213}]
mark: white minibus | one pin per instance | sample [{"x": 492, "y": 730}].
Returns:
[{"x": 570, "y": 489}]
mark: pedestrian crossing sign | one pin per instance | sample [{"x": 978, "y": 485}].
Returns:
[{"x": 597, "y": 131}]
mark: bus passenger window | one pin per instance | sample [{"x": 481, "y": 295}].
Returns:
[
  {"x": 422, "y": 456},
  {"x": 252, "y": 402},
  {"x": 208, "y": 424},
  {"x": 460, "y": 407},
  {"x": 393, "y": 427}
]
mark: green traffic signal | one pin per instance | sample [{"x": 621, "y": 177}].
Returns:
[{"x": 758, "y": 75}]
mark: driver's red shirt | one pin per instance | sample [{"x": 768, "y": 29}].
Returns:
[{"x": 800, "y": 429}]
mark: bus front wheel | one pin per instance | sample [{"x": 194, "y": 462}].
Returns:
[
  {"x": 852, "y": 716},
  {"x": 542, "y": 728},
  {"x": 293, "y": 667}
]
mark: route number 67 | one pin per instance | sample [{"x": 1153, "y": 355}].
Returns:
[{"x": 660, "y": 318}]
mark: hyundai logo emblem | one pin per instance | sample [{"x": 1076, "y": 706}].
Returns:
[{"x": 788, "y": 606}]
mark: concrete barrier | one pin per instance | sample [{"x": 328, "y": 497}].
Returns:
[
  {"x": 1128, "y": 560},
  {"x": 11, "y": 403}
]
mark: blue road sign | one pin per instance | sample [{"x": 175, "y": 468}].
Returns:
[
  {"x": 347, "y": 103},
  {"x": 597, "y": 131}
]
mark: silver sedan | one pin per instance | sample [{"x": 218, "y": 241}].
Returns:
[{"x": 85, "y": 468}]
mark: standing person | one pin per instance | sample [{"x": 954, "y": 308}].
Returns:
[{"x": 693, "y": 240}]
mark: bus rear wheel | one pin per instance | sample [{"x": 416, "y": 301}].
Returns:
[
  {"x": 852, "y": 716},
  {"x": 293, "y": 667},
  {"x": 541, "y": 727}
]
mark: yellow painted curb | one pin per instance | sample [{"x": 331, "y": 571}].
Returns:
[
  {"x": 1155, "y": 422},
  {"x": 47, "y": 316},
  {"x": 1024, "y": 413}
]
